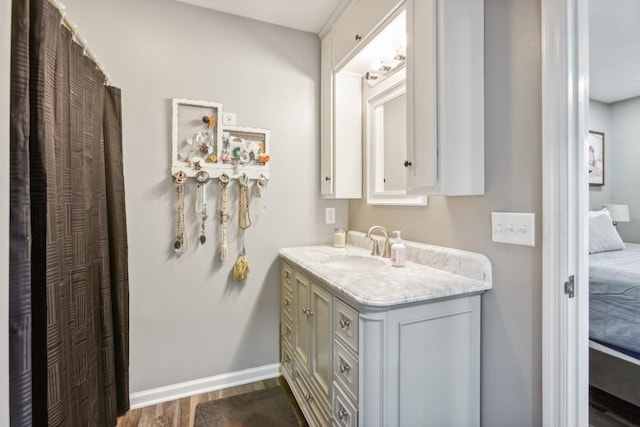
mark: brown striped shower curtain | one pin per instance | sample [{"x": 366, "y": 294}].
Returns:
[{"x": 68, "y": 285}]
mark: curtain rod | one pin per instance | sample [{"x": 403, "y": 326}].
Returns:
[{"x": 77, "y": 38}]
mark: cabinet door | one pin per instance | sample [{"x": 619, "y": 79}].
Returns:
[
  {"x": 422, "y": 132},
  {"x": 356, "y": 23},
  {"x": 302, "y": 337},
  {"x": 321, "y": 340},
  {"x": 326, "y": 116},
  {"x": 445, "y": 88}
]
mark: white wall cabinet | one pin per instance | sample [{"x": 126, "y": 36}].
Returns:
[
  {"x": 445, "y": 87},
  {"x": 415, "y": 364},
  {"x": 341, "y": 130},
  {"x": 356, "y": 23},
  {"x": 445, "y": 96}
]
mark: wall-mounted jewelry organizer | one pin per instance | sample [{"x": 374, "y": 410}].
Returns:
[
  {"x": 203, "y": 150},
  {"x": 200, "y": 143}
]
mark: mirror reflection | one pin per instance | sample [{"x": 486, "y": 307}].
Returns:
[{"x": 394, "y": 140}]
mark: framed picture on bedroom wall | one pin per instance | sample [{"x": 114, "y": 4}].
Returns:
[{"x": 596, "y": 158}]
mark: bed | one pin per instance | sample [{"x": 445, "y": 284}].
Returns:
[{"x": 614, "y": 322}]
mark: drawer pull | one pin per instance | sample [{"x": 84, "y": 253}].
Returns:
[
  {"x": 308, "y": 397},
  {"x": 358, "y": 37},
  {"x": 344, "y": 368},
  {"x": 287, "y": 332},
  {"x": 307, "y": 311},
  {"x": 342, "y": 414},
  {"x": 344, "y": 323}
]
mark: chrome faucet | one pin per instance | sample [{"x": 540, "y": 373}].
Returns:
[{"x": 375, "y": 251}]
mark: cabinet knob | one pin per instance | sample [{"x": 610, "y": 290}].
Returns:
[
  {"x": 287, "y": 275},
  {"x": 287, "y": 304},
  {"x": 358, "y": 37},
  {"x": 287, "y": 332},
  {"x": 407, "y": 163},
  {"x": 308, "y": 397},
  {"x": 307, "y": 311},
  {"x": 342, "y": 414},
  {"x": 287, "y": 359},
  {"x": 344, "y": 323},
  {"x": 344, "y": 368},
  {"x": 326, "y": 178}
]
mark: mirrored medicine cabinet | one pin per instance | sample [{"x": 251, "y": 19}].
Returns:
[{"x": 403, "y": 102}]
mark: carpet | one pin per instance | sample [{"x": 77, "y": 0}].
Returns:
[{"x": 263, "y": 408}]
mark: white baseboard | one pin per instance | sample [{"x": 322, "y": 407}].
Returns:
[{"x": 190, "y": 388}]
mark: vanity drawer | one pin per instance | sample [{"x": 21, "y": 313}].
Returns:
[
  {"x": 345, "y": 412},
  {"x": 287, "y": 303},
  {"x": 287, "y": 332},
  {"x": 286, "y": 276},
  {"x": 287, "y": 362},
  {"x": 345, "y": 324},
  {"x": 345, "y": 369},
  {"x": 310, "y": 404}
]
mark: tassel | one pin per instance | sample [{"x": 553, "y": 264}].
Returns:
[
  {"x": 224, "y": 249},
  {"x": 241, "y": 268}
]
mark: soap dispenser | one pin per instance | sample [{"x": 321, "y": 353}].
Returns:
[{"x": 398, "y": 252}]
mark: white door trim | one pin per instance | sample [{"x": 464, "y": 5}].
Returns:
[{"x": 565, "y": 363}]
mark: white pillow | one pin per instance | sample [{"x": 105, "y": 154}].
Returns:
[
  {"x": 603, "y": 236},
  {"x": 603, "y": 211}
]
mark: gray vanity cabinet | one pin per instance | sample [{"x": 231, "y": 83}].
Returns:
[
  {"x": 311, "y": 373},
  {"x": 415, "y": 364}
]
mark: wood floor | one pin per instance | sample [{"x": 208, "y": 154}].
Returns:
[
  {"x": 180, "y": 413},
  {"x": 606, "y": 410}
]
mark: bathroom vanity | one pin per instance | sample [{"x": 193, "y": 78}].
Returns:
[{"x": 367, "y": 344}]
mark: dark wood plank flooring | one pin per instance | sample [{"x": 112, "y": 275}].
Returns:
[
  {"x": 181, "y": 413},
  {"x": 606, "y": 410}
]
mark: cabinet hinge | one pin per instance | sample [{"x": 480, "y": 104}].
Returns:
[{"x": 570, "y": 287}]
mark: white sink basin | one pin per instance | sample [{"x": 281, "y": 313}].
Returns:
[{"x": 353, "y": 262}]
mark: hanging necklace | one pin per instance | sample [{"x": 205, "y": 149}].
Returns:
[
  {"x": 202, "y": 178},
  {"x": 180, "y": 244},
  {"x": 244, "y": 217},
  {"x": 241, "y": 267},
  {"x": 223, "y": 182}
]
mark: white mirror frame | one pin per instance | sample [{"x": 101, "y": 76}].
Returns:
[{"x": 391, "y": 87}]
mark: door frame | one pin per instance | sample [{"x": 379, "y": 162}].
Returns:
[{"x": 565, "y": 103}]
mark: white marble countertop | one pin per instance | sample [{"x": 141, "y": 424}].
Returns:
[{"x": 383, "y": 286}]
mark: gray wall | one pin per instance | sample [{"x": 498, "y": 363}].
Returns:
[
  {"x": 189, "y": 319},
  {"x": 5, "y": 55},
  {"x": 624, "y": 151},
  {"x": 511, "y": 328},
  {"x": 600, "y": 121}
]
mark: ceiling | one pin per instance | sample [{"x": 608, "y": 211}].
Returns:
[
  {"x": 614, "y": 35},
  {"x": 614, "y": 49},
  {"x": 305, "y": 15}
]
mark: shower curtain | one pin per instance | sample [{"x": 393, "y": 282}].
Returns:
[{"x": 69, "y": 313}]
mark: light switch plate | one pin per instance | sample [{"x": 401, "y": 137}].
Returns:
[
  {"x": 330, "y": 215},
  {"x": 513, "y": 228}
]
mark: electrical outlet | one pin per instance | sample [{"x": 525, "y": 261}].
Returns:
[
  {"x": 513, "y": 228},
  {"x": 330, "y": 215},
  {"x": 229, "y": 119}
]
